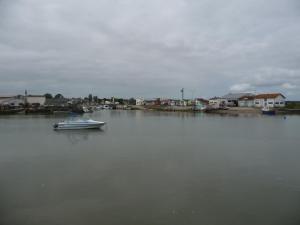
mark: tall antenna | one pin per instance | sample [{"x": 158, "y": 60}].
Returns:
[
  {"x": 25, "y": 99},
  {"x": 182, "y": 93}
]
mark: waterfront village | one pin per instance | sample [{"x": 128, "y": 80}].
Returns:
[{"x": 232, "y": 103}]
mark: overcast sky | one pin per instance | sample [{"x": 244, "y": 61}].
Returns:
[{"x": 150, "y": 48}]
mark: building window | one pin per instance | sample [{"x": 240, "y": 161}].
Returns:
[
  {"x": 257, "y": 103},
  {"x": 281, "y": 103},
  {"x": 277, "y": 103},
  {"x": 270, "y": 103}
]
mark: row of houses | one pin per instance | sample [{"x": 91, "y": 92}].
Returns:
[
  {"x": 164, "y": 102},
  {"x": 229, "y": 100},
  {"x": 19, "y": 100},
  {"x": 250, "y": 100}
]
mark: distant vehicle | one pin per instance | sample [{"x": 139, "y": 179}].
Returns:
[{"x": 78, "y": 124}]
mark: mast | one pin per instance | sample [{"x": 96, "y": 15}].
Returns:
[{"x": 182, "y": 93}]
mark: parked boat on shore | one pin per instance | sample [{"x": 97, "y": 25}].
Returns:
[
  {"x": 78, "y": 124},
  {"x": 267, "y": 111}
]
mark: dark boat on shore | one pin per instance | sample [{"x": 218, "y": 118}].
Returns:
[{"x": 268, "y": 111}]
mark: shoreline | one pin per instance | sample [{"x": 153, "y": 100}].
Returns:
[{"x": 229, "y": 111}]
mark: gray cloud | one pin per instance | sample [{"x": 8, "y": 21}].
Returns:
[{"x": 149, "y": 48}]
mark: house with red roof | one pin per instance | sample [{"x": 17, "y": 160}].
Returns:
[{"x": 270, "y": 100}]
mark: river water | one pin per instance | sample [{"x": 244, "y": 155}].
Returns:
[{"x": 151, "y": 168}]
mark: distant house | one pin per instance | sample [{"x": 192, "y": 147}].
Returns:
[
  {"x": 150, "y": 102},
  {"x": 217, "y": 102},
  {"x": 5, "y": 99},
  {"x": 165, "y": 102},
  {"x": 174, "y": 102},
  {"x": 139, "y": 101},
  {"x": 11, "y": 101},
  {"x": 232, "y": 98},
  {"x": 170, "y": 102},
  {"x": 183, "y": 103},
  {"x": 246, "y": 101},
  {"x": 75, "y": 101},
  {"x": 190, "y": 102},
  {"x": 36, "y": 99},
  {"x": 270, "y": 100},
  {"x": 57, "y": 102}
]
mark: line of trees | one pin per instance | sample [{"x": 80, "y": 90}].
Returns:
[
  {"x": 90, "y": 98},
  {"x": 50, "y": 96}
]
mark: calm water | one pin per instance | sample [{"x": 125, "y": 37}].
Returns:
[{"x": 150, "y": 168}]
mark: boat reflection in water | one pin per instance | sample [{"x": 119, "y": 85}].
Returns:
[{"x": 79, "y": 136}]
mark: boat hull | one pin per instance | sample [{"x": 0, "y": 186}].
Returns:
[
  {"x": 271, "y": 112},
  {"x": 78, "y": 125}
]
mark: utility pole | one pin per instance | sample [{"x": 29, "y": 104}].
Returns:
[
  {"x": 182, "y": 93},
  {"x": 25, "y": 100}
]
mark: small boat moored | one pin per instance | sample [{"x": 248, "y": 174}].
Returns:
[
  {"x": 78, "y": 124},
  {"x": 267, "y": 111}
]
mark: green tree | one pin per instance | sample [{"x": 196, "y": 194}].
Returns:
[
  {"x": 121, "y": 101},
  {"x": 58, "y": 96},
  {"x": 90, "y": 97},
  {"x": 95, "y": 98},
  {"x": 132, "y": 101},
  {"x": 48, "y": 96}
]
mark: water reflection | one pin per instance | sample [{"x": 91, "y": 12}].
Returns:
[
  {"x": 77, "y": 136},
  {"x": 192, "y": 167}
]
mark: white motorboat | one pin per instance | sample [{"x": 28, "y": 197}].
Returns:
[{"x": 78, "y": 124}]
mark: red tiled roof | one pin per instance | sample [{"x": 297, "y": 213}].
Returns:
[{"x": 270, "y": 95}]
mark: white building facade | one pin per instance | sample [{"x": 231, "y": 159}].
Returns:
[
  {"x": 139, "y": 101},
  {"x": 273, "y": 100},
  {"x": 217, "y": 102},
  {"x": 246, "y": 101},
  {"x": 36, "y": 99}
]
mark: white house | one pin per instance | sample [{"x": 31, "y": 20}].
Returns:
[
  {"x": 36, "y": 99},
  {"x": 216, "y": 102},
  {"x": 270, "y": 100},
  {"x": 139, "y": 101},
  {"x": 233, "y": 98}
]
